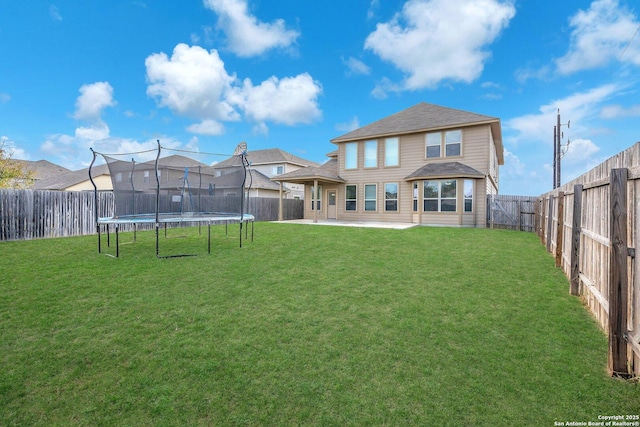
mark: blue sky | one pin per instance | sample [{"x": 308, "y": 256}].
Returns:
[{"x": 207, "y": 74}]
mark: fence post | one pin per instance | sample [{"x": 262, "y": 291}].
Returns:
[
  {"x": 575, "y": 240},
  {"x": 549, "y": 223},
  {"x": 618, "y": 276},
  {"x": 560, "y": 230}
]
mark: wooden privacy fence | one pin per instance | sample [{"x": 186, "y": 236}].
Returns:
[
  {"x": 33, "y": 214},
  {"x": 511, "y": 212},
  {"x": 591, "y": 226}
]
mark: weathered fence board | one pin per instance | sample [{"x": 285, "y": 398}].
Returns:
[
  {"x": 34, "y": 214},
  {"x": 598, "y": 243},
  {"x": 511, "y": 212}
]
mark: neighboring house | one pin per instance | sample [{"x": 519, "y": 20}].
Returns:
[
  {"x": 269, "y": 164},
  {"x": 40, "y": 170},
  {"x": 76, "y": 180},
  {"x": 427, "y": 165}
]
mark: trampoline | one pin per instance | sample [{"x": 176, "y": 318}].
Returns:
[{"x": 175, "y": 190}]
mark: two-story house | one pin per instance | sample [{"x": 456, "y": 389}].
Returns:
[
  {"x": 427, "y": 165},
  {"x": 272, "y": 163}
]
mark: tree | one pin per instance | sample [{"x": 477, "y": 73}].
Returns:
[{"x": 12, "y": 173}]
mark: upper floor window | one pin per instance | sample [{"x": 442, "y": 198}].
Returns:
[
  {"x": 391, "y": 152},
  {"x": 371, "y": 154},
  {"x": 351, "y": 155},
  {"x": 434, "y": 140},
  {"x": 277, "y": 170},
  {"x": 452, "y": 142},
  {"x": 448, "y": 143}
]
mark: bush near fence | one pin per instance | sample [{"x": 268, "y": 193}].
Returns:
[
  {"x": 33, "y": 214},
  {"x": 591, "y": 225}
]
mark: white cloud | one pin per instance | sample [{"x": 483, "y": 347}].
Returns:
[
  {"x": 246, "y": 35},
  {"x": 192, "y": 83},
  {"x": 289, "y": 101},
  {"x": 55, "y": 13},
  {"x": 207, "y": 127},
  {"x": 352, "y": 124},
  {"x": 580, "y": 151},
  {"x": 93, "y": 98},
  {"x": 578, "y": 108},
  {"x": 450, "y": 36},
  {"x": 599, "y": 36},
  {"x": 11, "y": 149},
  {"x": 356, "y": 66},
  {"x": 95, "y": 132},
  {"x": 618, "y": 111}
]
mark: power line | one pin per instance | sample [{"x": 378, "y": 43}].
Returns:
[{"x": 628, "y": 44}]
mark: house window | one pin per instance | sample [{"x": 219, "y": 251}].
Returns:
[
  {"x": 277, "y": 170},
  {"x": 146, "y": 176},
  {"x": 433, "y": 144},
  {"x": 440, "y": 196},
  {"x": 391, "y": 152},
  {"x": 468, "y": 195},
  {"x": 119, "y": 177},
  {"x": 350, "y": 198},
  {"x": 371, "y": 154},
  {"x": 391, "y": 197},
  {"x": 415, "y": 196},
  {"x": 351, "y": 155},
  {"x": 452, "y": 142},
  {"x": 316, "y": 196},
  {"x": 370, "y": 202}
]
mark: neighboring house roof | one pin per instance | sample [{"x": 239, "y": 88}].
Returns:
[
  {"x": 328, "y": 171},
  {"x": 42, "y": 169},
  {"x": 268, "y": 156},
  {"x": 262, "y": 182},
  {"x": 70, "y": 178},
  {"x": 445, "y": 170},
  {"x": 424, "y": 117}
]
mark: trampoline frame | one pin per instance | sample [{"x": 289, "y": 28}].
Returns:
[{"x": 165, "y": 218}]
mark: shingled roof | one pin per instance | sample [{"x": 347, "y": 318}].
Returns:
[
  {"x": 268, "y": 156},
  {"x": 445, "y": 170},
  {"x": 424, "y": 117},
  {"x": 328, "y": 171}
]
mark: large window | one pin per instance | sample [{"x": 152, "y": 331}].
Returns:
[
  {"x": 370, "y": 202},
  {"x": 351, "y": 155},
  {"x": 371, "y": 154},
  {"x": 440, "y": 196},
  {"x": 391, "y": 152},
  {"x": 468, "y": 195},
  {"x": 351, "y": 198},
  {"x": 443, "y": 144},
  {"x": 391, "y": 197}
]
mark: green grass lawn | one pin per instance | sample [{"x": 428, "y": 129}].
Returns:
[{"x": 307, "y": 325}]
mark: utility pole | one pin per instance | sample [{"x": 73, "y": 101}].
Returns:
[{"x": 557, "y": 150}]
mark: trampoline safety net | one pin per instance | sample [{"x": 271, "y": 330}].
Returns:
[{"x": 176, "y": 188}]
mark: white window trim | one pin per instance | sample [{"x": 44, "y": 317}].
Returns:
[
  {"x": 397, "y": 152},
  {"x": 367, "y": 148},
  {"x": 349, "y": 200},
  {"x": 346, "y": 155}
]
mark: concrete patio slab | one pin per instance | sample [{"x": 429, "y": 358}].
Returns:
[{"x": 369, "y": 224}]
